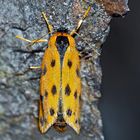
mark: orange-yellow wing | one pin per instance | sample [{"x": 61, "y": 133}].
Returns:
[
  {"x": 71, "y": 86},
  {"x": 49, "y": 87}
]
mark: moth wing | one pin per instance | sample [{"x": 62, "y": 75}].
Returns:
[
  {"x": 49, "y": 89},
  {"x": 71, "y": 88}
]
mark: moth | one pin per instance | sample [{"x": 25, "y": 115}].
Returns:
[{"x": 60, "y": 83}]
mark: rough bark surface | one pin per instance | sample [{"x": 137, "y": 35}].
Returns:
[{"x": 19, "y": 94}]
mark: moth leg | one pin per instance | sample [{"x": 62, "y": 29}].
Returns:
[
  {"x": 80, "y": 21},
  {"x": 27, "y": 70},
  {"x": 31, "y": 41},
  {"x": 34, "y": 67},
  {"x": 50, "y": 27}
]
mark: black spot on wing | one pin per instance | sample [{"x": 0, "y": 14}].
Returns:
[
  {"x": 75, "y": 94},
  {"x": 69, "y": 112},
  {"x": 54, "y": 90},
  {"x": 77, "y": 72},
  {"x": 46, "y": 93},
  {"x": 76, "y": 121},
  {"x": 69, "y": 63},
  {"x": 44, "y": 70},
  {"x": 52, "y": 112},
  {"x": 52, "y": 63},
  {"x": 80, "y": 98},
  {"x": 67, "y": 90},
  {"x": 41, "y": 98},
  {"x": 42, "y": 121}
]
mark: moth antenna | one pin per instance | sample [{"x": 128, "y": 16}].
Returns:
[
  {"x": 80, "y": 21},
  {"x": 50, "y": 27},
  {"x": 32, "y": 42}
]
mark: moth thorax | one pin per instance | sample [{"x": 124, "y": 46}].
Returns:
[{"x": 62, "y": 44}]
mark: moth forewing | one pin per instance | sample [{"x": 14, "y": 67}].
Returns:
[
  {"x": 71, "y": 86},
  {"x": 49, "y": 86}
]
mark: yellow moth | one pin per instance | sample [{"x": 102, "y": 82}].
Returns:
[{"x": 60, "y": 83}]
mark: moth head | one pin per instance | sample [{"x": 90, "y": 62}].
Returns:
[{"x": 62, "y": 30}]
